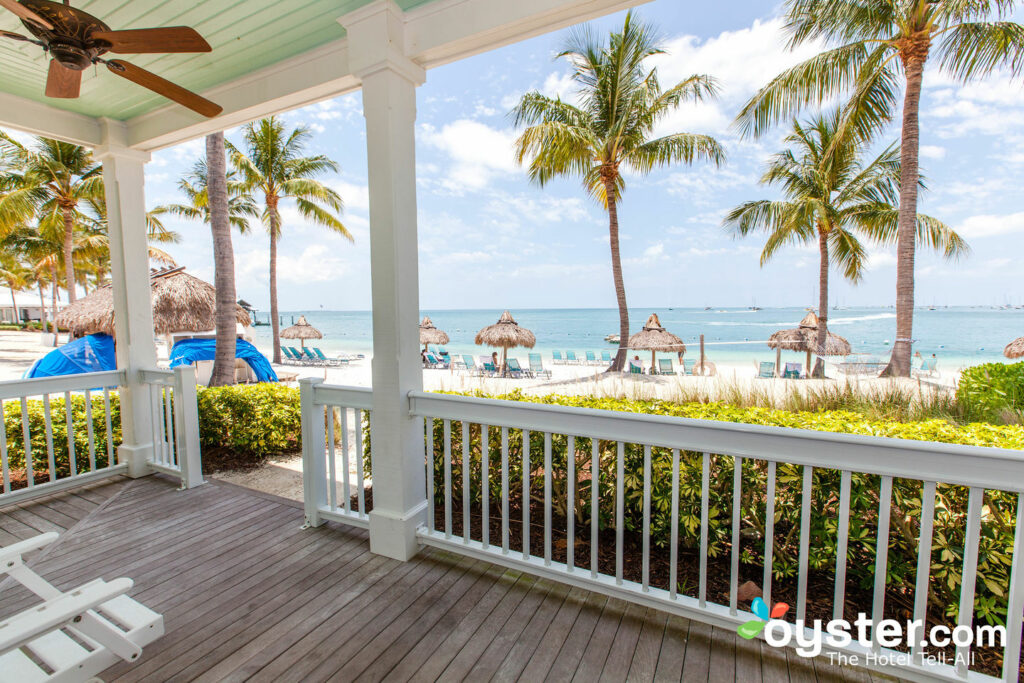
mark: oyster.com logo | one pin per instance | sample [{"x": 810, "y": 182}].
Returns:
[{"x": 753, "y": 628}]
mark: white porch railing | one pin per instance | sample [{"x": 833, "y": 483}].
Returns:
[
  {"x": 175, "y": 419},
  {"x": 44, "y": 447},
  {"x": 718, "y": 456}
]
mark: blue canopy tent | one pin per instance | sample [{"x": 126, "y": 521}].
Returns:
[
  {"x": 188, "y": 351},
  {"x": 92, "y": 353}
]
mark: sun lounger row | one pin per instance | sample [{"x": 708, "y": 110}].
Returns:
[
  {"x": 665, "y": 367},
  {"x": 484, "y": 366},
  {"x": 314, "y": 356},
  {"x": 589, "y": 358}
]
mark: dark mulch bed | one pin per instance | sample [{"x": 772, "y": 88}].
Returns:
[{"x": 820, "y": 584}]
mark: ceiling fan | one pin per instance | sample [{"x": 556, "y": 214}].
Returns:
[{"x": 76, "y": 40}]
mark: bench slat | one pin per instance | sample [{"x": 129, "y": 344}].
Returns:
[
  {"x": 58, "y": 651},
  {"x": 128, "y": 612},
  {"x": 18, "y": 667}
]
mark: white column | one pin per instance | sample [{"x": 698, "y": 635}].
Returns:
[
  {"x": 389, "y": 83},
  {"x": 124, "y": 181}
]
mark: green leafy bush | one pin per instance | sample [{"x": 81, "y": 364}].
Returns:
[
  {"x": 245, "y": 424},
  {"x": 995, "y": 390}
]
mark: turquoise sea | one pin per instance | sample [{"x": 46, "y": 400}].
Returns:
[{"x": 959, "y": 336}]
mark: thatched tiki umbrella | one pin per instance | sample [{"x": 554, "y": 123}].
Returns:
[
  {"x": 302, "y": 331},
  {"x": 181, "y": 303},
  {"x": 505, "y": 334},
  {"x": 430, "y": 334},
  {"x": 1014, "y": 349},
  {"x": 656, "y": 338},
  {"x": 805, "y": 338}
]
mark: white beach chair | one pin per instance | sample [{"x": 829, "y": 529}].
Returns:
[{"x": 73, "y": 635}]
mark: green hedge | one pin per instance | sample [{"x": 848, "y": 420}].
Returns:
[
  {"x": 245, "y": 424},
  {"x": 994, "y": 390}
]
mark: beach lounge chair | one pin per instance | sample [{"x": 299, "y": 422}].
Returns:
[
  {"x": 515, "y": 370},
  {"x": 311, "y": 357},
  {"x": 591, "y": 358},
  {"x": 766, "y": 369},
  {"x": 537, "y": 367},
  {"x": 570, "y": 358},
  {"x": 792, "y": 371},
  {"x": 556, "y": 357},
  {"x": 635, "y": 368},
  {"x": 665, "y": 366},
  {"x": 300, "y": 356},
  {"x": 470, "y": 364},
  {"x": 329, "y": 361},
  {"x": 929, "y": 368},
  {"x": 73, "y": 635},
  {"x": 288, "y": 357},
  {"x": 688, "y": 365},
  {"x": 606, "y": 356}
]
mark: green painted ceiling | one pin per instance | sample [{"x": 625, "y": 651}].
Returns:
[{"x": 246, "y": 35}]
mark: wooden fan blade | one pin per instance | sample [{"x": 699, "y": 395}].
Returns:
[
  {"x": 185, "y": 98},
  {"x": 15, "y": 36},
  {"x": 25, "y": 13},
  {"x": 63, "y": 82},
  {"x": 153, "y": 40}
]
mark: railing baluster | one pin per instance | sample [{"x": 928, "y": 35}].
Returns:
[
  {"x": 359, "y": 415},
  {"x": 737, "y": 501},
  {"x": 843, "y": 538},
  {"x": 332, "y": 468},
  {"x": 805, "y": 543},
  {"x": 705, "y": 504},
  {"x": 5, "y": 471},
  {"x": 645, "y": 582},
  {"x": 972, "y": 533},
  {"x": 48, "y": 425},
  {"x": 881, "y": 555},
  {"x": 769, "y": 534},
  {"x": 447, "y": 478},
  {"x": 485, "y": 485},
  {"x": 158, "y": 427},
  {"x": 673, "y": 562},
  {"x": 428, "y": 459},
  {"x": 526, "y": 494},
  {"x": 110, "y": 429},
  {"x": 346, "y": 465},
  {"x": 1015, "y": 602},
  {"x": 26, "y": 436},
  {"x": 89, "y": 430},
  {"x": 69, "y": 425},
  {"x": 504, "y": 490},
  {"x": 465, "y": 482},
  {"x": 595, "y": 503},
  {"x": 171, "y": 455},
  {"x": 620, "y": 451},
  {"x": 547, "y": 498},
  {"x": 924, "y": 558},
  {"x": 570, "y": 503}
]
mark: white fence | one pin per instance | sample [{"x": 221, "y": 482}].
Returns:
[
  {"x": 175, "y": 419},
  {"x": 715, "y": 458},
  {"x": 46, "y": 448}
]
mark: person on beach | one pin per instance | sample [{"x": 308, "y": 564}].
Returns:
[
  {"x": 636, "y": 363},
  {"x": 494, "y": 360}
]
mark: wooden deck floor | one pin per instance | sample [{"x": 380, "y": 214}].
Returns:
[{"x": 247, "y": 595}]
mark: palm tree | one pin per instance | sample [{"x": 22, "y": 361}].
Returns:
[
  {"x": 870, "y": 44},
  {"x": 272, "y": 164},
  {"x": 833, "y": 198},
  {"x": 15, "y": 275},
  {"x": 55, "y": 180},
  {"x": 609, "y": 130}
]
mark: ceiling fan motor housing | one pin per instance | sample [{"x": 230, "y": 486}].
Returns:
[
  {"x": 71, "y": 56},
  {"x": 70, "y": 41}
]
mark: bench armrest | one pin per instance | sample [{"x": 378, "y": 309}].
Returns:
[{"x": 10, "y": 555}]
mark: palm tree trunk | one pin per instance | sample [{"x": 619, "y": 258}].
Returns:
[
  {"x": 42, "y": 310},
  {"x": 14, "y": 303},
  {"x": 53, "y": 304},
  {"x": 69, "y": 246},
  {"x": 822, "y": 300},
  {"x": 275, "y": 323},
  {"x": 620, "y": 288},
  {"x": 899, "y": 364},
  {"x": 223, "y": 262}
]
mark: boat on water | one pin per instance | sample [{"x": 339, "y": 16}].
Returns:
[{"x": 612, "y": 338}]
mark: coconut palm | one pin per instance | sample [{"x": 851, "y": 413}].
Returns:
[
  {"x": 835, "y": 198},
  {"x": 619, "y": 103},
  {"x": 273, "y": 165},
  {"x": 223, "y": 259},
  {"x": 15, "y": 275},
  {"x": 870, "y": 45},
  {"x": 56, "y": 181}
]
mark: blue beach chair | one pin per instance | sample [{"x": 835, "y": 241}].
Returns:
[
  {"x": 556, "y": 357},
  {"x": 606, "y": 356},
  {"x": 688, "y": 365},
  {"x": 570, "y": 358},
  {"x": 665, "y": 366},
  {"x": 537, "y": 367},
  {"x": 792, "y": 371},
  {"x": 766, "y": 370}
]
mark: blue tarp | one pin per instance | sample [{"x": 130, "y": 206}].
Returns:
[
  {"x": 94, "y": 353},
  {"x": 188, "y": 351}
]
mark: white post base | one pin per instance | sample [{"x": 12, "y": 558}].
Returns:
[
  {"x": 137, "y": 459},
  {"x": 395, "y": 537}
]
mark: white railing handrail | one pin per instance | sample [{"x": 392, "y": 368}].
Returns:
[
  {"x": 24, "y": 388},
  {"x": 992, "y": 468},
  {"x": 339, "y": 395}
]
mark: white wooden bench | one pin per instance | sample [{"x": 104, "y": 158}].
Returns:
[{"x": 73, "y": 635}]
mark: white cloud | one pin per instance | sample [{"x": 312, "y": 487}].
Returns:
[
  {"x": 933, "y": 152},
  {"x": 316, "y": 263},
  {"x": 559, "y": 85},
  {"x": 355, "y": 196},
  {"x": 477, "y": 152},
  {"x": 987, "y": 225}
]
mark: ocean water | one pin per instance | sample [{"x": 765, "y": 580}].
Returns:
[{"x": 959, "y": 336}]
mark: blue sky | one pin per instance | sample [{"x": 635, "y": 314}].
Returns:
[{"x": 489, "y": 239}]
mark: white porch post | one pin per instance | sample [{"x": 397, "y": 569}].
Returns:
[
  {"x": 389, "y": 82},
  {"x": 124, "y": 180}
]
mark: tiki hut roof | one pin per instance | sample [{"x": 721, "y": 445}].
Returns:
[
  {"x": 181, "y": 303},
  {"x": 805, "y": 338},
  {"x": 430, "y": 334},
  {"x": 301, "y": 330},
  {"x": 654, "y": 337},
  {"x": 505, "y": 334},
  {"x": 1015, "y": 349}
]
